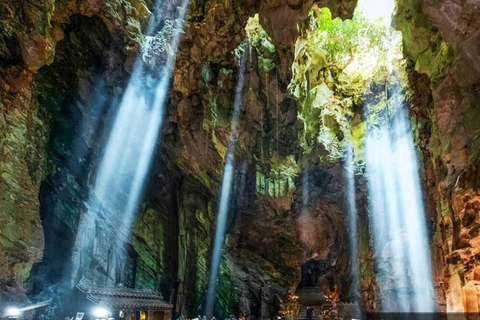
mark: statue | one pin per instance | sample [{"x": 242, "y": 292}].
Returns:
[{"x": 333, "y": 297}]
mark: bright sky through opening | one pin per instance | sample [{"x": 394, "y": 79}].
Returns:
[{"x": 377, "y": 10}]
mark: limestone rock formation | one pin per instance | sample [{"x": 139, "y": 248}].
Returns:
[
  {"x": 22, "y": 152},
  {"x": 441, "y": 39},
  {"x": 54, "y": 54}
]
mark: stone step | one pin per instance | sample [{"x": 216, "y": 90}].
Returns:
[
  {"x": 310, "y": 296},
  {"x": 302, "y": 313},
  {"x": 315, "y": 308},
  {"x": 304, "y": 316}
]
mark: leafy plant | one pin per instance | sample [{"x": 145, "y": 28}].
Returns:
[
  {"x": 262, "y": 43},
  {"x": 336, "y": 65}
]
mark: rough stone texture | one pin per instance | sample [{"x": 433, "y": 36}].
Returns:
[
  {"x": 38, "y": 113},
  {"x": 280, "y": 18},
  {"x": 264, "y": 250},
  {"x": 71, "y": 93},
  {"x": 54, "y": 54},
  {"x": 37, "y": 26},
  {"x": 445, "y": 106},
  {"x": 22, "y": 147}
]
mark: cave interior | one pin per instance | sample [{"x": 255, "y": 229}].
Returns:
[{"x": 250, "y": 159}]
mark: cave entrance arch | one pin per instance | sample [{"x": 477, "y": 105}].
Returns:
[
  {"x": 317, "y": 278},
  {"x": 311, "y": 272}
]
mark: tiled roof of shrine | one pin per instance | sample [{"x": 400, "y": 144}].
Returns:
[{"x": 123, "y": 298}]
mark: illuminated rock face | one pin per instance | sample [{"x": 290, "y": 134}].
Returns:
[
  {"x": 444, "y": 106},
  {"x": 62, "y": 62},
  {"x": 23, "y": 139}
]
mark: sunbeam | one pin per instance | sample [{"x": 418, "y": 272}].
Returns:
[
  {"x": 397, "y": 214},
  {"x": 225, "y": 193},
  {"x": 129, "y": 149}
]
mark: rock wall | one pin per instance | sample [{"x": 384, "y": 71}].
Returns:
[
  {"x": 22, "y": 148},
  {"x": 271, "y": 231},
  {"x": 441, "y": 39},
  {"x": 64, "y": 62},
  {"x": 60, "y": 63}
]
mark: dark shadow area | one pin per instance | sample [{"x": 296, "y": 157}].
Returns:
[
  {"x": 311, "y": 271},
  {"x": 73, "y": 101}
]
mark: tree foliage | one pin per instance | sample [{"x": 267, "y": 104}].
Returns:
[
  {"x": 336, "y": 65},
  {"x": 262, "y": 43}
]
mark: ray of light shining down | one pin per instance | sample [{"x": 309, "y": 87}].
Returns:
[
  {"x": 225, "y": 193},
  {"x": 130, "y": 146},
  {"x": 352, "y": 220},
  {"x": 305, "y": 224},
  {"x": 396, "y": 210},
  {"x": 397, "y": 215}
]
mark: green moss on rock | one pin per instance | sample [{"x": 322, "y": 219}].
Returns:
[{"x": 338, "y": 67}]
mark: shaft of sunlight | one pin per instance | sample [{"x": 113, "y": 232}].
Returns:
[
  {"x": 306, "y": 226},
  {"x": 396, "y": 209},
  {"x": 352, "y": 219},
  {"x": 225, "y": 194},
  {"x": 397, "y": 215},
  {"x": 414, "y": 217},
  {"x": 129, "y": 149}
]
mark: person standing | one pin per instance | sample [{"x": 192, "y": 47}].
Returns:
[{"x": 309, "y": 313}]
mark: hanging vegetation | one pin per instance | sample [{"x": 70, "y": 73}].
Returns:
[
  {"x": 337, "y": 65},
  {"x": 259, "y": 39}
]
